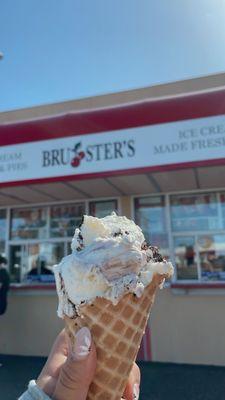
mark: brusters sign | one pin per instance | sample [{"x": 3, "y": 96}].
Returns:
[
  {"x": 113, "y": 150},
  {"x": 134, "y": 148}
]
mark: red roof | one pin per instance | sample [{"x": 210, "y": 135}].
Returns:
[{"x": 147, "y": 112}]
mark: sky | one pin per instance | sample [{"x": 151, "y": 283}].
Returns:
[{"x": 58, "y": 50}]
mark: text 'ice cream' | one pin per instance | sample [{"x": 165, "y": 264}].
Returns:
[{"x": 109, "y": 259}]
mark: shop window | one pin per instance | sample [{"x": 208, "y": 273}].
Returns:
[
  {"x": 34, "y": 262},
  {"x": 30, "y": 223},
  {"x": 64, "y": 219},
  {"x": 222, "y": 204},
  {"x": 186, "y": 257},
  {"x": 212, "y": 257},
  {"x": 203, "y": 253},
  {"x": 2, "y": 247},
  {"x": 102, "y": 208},
  {"x": 150, "y": 215},
  {"x": 40, "y": 260},
  {"x": 2, "y": 231},
  {"x": 199, "y": 212}
]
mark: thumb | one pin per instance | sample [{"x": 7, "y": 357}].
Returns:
[{"x": 78, "y": 371}]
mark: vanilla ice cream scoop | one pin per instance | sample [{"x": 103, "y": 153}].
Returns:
[{"x": 109, "y": 259}]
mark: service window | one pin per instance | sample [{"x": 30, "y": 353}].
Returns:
[
  {"x": 186, "y": 257},
  {"x": 33, "y": 262},
  {"x": 41, "y": 258},
  {"x": 212, "y": 257}
]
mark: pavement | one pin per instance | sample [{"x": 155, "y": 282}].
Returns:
[{"x": 160, "y": 381}]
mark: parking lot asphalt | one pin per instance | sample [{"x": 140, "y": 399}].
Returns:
[{"x": 160, "y": 381}]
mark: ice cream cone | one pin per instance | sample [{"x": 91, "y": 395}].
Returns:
[{"x": 117, "y": 331}]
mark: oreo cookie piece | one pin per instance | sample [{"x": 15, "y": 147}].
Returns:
[
  {"x": 144, "y": 246},
  {"x": 80, "y": 240},
  {"x": 156, "y": 255},
  {"x": 118, "y": 233}
]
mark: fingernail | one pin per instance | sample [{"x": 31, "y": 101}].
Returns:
[
  {"x": 136, "y": 391},
  {"x": 82, "y": 345}
]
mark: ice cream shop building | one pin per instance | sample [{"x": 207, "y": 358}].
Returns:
[{"x": 156, "y": 155}]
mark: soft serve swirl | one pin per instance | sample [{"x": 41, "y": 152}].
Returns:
[{"x": 109, "y": 258}]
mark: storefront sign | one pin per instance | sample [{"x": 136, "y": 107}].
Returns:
[{"x": 133, "y": 148}]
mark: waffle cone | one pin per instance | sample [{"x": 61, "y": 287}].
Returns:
[{"x": 117, "y": 332}]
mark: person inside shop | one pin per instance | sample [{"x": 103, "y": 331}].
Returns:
[
  {"x": 4, "y": 284},
  {"x": 40, "y": 267},
  {"x": 190, "y": 254},
  {"x": 69, "y": 372}
]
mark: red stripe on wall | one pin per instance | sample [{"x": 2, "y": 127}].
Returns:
[
  {"x": 148, "y": 344},
  {"x": 144, "y": 347},
  {"x": 145, "y": 353},
  {"x": 140, "y": 356}
]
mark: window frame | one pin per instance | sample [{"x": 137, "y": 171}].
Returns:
[
  {"x": 9, "y": 242},
  {"x": 29, "y": 208},
  {"x": 6, "y": 229},
  {"x": 102, "y": 201},
  {"x": 171, "y": 234},
  {"x": 50, "y": 218}
]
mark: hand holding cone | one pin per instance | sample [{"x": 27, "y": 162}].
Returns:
[{"x": 117, "y": 332}]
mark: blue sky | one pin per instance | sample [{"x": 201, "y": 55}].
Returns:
[{"x": 58, "y": 50}]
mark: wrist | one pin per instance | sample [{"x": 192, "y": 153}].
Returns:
[{"x": 35, "y": 392}]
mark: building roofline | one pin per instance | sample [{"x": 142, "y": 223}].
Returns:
[
  {"x": 180, "y": 88},
  {"x": 130, "y": 115}
]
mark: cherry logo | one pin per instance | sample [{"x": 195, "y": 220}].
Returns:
[{"x": 78, "y": 155}]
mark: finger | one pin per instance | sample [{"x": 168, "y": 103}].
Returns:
[
  {"x": 57, "y": 356},
  {"x": 50, "y": 373},
  {"x": 78, "y": 371},
  {"x": 133, "y": 385}
]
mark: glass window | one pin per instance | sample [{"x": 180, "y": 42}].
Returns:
[
  {"x": 151, "y": 217},
  {"x": 195, "y": 212},
  {"x": 185, "y": 257},
  {"x": 2, "y": 231},
  {"x": 34, "y": 262},
  {"x": 2, "y": 247},
  {"x": 40, "y": 260},
  {"x": 30, "y": 223},
  {"x": 222, "y": 204},
  {"x": 16, "y": 262},
  {"x": 102, "y": 208},
  {"x": 64, "y": 219},
  {"x": 212, "y": 257}
]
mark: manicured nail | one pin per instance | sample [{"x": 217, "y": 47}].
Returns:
[
  {"x": 136, "y": 391},
  {"x": 82, "y": 345}
]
